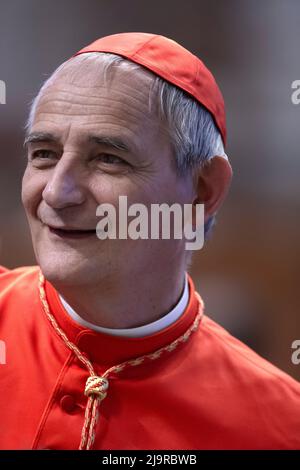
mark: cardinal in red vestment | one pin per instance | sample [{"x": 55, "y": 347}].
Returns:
[{"x": 107, "y": 342}]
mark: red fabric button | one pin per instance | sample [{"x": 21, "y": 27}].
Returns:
[{"x": 67, "y": 403}]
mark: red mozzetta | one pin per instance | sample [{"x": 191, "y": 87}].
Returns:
[{"x": 211, "y": 392}]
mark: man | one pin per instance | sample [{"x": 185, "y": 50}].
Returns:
[{"x": 106, "y": 341}]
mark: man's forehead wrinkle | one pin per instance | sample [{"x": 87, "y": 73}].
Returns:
[
  {"x": 128, "y": 114},
  {"x": 131, "y": 117},
  {"x": 46, "y": 99},
  {"x": 134, "y": 124},
  {"x": 138, "y": 101},
  {"x": 72, "y": 89}
]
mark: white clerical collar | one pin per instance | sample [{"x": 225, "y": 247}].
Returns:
[{"x": 140, "y": 331}]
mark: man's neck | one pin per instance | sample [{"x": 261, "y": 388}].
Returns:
[
  {"x": 130, "y": 305},
  {"x": 141, "y": 331}
]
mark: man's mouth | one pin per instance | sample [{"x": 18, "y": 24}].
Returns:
[{"x": 69, "y": 233}]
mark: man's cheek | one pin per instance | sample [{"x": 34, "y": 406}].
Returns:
[
  {"x": 32, "y": 190},
  {"x": 26, "y": 186},
  {"x": 24, "y": 196},
  {"x": 26, "y": 192},
  {"x": 29, "y": 199}
]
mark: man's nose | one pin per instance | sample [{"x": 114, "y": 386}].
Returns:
[{"x": 64, "y": 187}]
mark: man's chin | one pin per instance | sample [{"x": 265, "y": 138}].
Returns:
[{"x": 65, "y": 274}]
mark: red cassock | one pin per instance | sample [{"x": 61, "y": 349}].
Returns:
[{"x": 210, "y": 392}]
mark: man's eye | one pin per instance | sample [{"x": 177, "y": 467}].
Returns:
[
  {"x": 111, "y": 159},
  {"x": 42, "y": 154}
]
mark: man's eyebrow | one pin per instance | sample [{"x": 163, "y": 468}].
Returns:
[
  {"x": 109, "y": 141},
  {"x": 40, "y": 137}
]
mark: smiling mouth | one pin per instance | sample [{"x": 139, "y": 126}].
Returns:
[{"x": 72, "y": 234}]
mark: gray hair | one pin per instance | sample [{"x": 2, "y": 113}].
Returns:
[{"x": 194, "y": 136}]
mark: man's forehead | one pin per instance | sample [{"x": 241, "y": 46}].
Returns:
[
  {"x": 116, "y": 111},
  {"x": 127, "y": 94}
]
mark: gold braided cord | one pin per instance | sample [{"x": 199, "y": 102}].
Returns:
[{"x": 96, "y": 387}]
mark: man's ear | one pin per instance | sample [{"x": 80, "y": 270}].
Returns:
[{"x": 212, "y": 183}]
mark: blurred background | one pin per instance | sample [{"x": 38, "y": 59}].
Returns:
[{"x": 248, "y": 272}]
